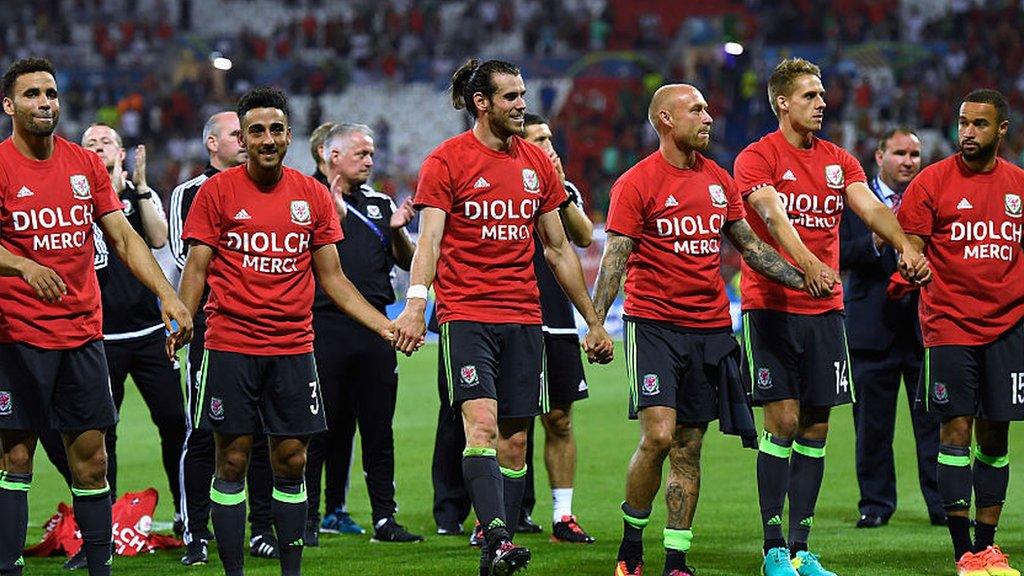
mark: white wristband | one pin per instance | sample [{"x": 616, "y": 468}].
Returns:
[{"x": 416, "y": 291}]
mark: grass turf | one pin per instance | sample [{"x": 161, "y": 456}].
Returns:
[{"x": 726, "y": 531}]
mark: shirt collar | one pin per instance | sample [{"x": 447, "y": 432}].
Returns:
[{"x": 883, "y": 189}]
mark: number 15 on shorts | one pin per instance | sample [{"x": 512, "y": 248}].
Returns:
[{"x": 1017, "y": 390}]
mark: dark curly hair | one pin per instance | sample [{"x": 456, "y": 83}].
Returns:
[
  {"x": 262, "y": 97},
  {"x": 22, "y": 67}
]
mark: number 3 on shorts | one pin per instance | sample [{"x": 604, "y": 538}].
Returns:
[{"x": 314, "y": 406}]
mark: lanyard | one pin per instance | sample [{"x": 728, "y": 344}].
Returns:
[{"x": 376, "y": 229}]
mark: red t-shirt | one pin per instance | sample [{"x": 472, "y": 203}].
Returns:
[
  {"x": 812, "y": 184},
  {"x": 485, "y": 269},
  {"x": 261, "y": 277},
  {"x": 676, "y": 218},
  {"x": 972, "y": 225},
  {"x": 47, "y": 210}
]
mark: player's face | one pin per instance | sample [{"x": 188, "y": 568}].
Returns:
[
  {"x": 104, "y": 142},
  {"x": 507, "y": 106},
  {"x": 354, "y": 161},
  {"x": 33, "y": 103},
  {"x": 227, "y": 141},
  {"x": 539, "y": 134},
  {"x": 806, "y": 105},
  {"x": 980, "y": 131},
  {"x": 266, "y": 136},
  {"x": 691, "y": 121},
  {"x": 900, "y": 161}
]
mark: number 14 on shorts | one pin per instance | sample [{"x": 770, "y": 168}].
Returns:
[{"x": 842, "y": 382}]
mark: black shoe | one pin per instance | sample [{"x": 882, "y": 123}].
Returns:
[
  {"x": 79, "y": 561},
  {"x": 450, "y": 530},
  {"x": 509, "y": 558},
  {"x": 391, "y": 531},
  {"x": 311, "y": 539},
  {"x": 528, "y": 526},
  {"x": 196, "y": 553},
  {"x": 263, "y": 546},
  {"x": 477, "y": 537},
  {"x": 569, "y": 530},
  {"x": 872, "y": 521}
]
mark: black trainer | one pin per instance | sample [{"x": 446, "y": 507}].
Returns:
[
  {"x": 79, "y": 561},
  {"x": 263, "y": 546},
  {"x": 196, "y": 553},
  {"x": 388, "y": 530},
  {"x": 509, "y": 558},
  {"x": 569, "y": 530},
  {"x": 528, "y": 526}
]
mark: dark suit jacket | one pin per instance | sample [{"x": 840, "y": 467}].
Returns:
[{"x": 872, "y": 319}]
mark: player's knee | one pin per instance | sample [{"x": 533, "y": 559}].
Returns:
[
  {"x": 688, "y": 446},
  {"x": 657, "y": 441},
  {"x": 783, "y": 426},
  {"x": 513, "y": 451},
  {"x": 558, "y": 423},
  {"x": 956, "y": 432},
  {"x": 231, "y": 465},
  {"x": 89, "y": 472},
  {"x": 18, "y": 460}
]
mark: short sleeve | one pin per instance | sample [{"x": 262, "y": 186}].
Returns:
[
  {"x": 203, "y": 223},
  {"x": 852, "y": 169},
  {"x": 734, "y": 209},
  {"x": 625, "y": 214},
  {"x": 326, "y": 227},
  {"x": 753, "y": 171},
  {"x": 434, "y": 188},
  {"x": 104, "y": 198},
  {"x": 917, "y": 211}
]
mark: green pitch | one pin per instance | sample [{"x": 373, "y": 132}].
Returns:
[{"x": 726, "y": 532}]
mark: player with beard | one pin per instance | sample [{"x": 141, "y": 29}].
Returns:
[
  {"x": 132, "y": 327},
  {"x": 222, "y": 140},
  {"x": 53, "y": 371},
  {"x": 359, "y": 373},
  {"x": 258, "y": 232},
  {"x": 965, "y": 211},
  {"x": 665, "y": 223},
  {"x": 481, "y": 195},
  {"x": 797, "y": 358}
]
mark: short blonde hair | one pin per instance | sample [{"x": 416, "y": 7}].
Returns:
[
  {"x": 316, "y": 140},
  {"x": 784, "y": 77}
]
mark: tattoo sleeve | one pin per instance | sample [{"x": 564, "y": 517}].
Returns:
[
  {"x": 617, "y": 249},
  {"x": 761, "y": 256}
]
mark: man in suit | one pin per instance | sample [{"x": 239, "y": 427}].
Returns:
[{"x": 885, "y": 343}]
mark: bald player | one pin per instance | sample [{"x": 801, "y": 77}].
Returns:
[{"x": 665, "y": 223}]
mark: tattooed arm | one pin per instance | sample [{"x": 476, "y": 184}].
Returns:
[
  {"x": 762, "y": 257},
  {"x": 609, "y": 278}
]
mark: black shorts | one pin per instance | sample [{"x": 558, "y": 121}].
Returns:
[
  {"x": 677, "y": 368},
  {"x": 986, "y": 381},
  {"x": 797, "y": 356},
  {"x": 65, "y": 390},
  {"x": 500, "y": 361},
  {"x": 245, "y": 394},
  {"x": 563, "y": 371}
]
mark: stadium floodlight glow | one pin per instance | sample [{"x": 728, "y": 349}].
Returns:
[
  {"x": 733, "y": 48},
  {"x": 222, "y": 63}
]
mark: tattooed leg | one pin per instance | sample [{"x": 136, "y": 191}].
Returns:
[{"x": 684, "y": 476}]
